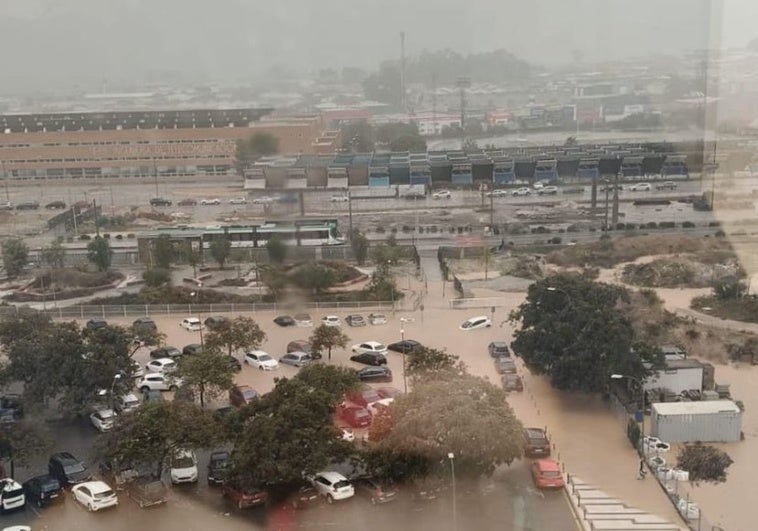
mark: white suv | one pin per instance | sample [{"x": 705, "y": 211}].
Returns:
[
  {"x": 12, "y": 495},
  {"x": 333, "y": 485},
  {"x": 183, "y": 467},
  {"x": 158, "y": 382}
]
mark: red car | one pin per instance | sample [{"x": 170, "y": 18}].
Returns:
[
  {"x": 242, "y": 395},
  {"x": 244, "y": 497},
  {"x": 355, "y": 416},
  {"x": 546, "y": 474},
  {"x": 363, "y": 397},
  {"x": 388, "y": 392}
]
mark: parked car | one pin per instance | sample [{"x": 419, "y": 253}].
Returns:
[
  {"x": 11, "y": 407},
  {"x": 215, "y": 321},
  {"x": 67, "y": 469},
  {"x": 536, "y": 443},
  {"x": 512, "y": 382},
  {"x": 546, "y": 474},
  {"x": 27, "y": 205},
  {"x": 242, "y": 395},
  {"x": 161, "y": 365},
  {"x": 331, "y": 320},
  {"x": 147, "y": 492},
  {"x": 388, "y": 392},
  {"x": 6, "y": 205},
  {"x": 303, "y": 319},
  {"x": 137, "y": 371},
  {"x": 238, "y": 201},
  {"x": 339, "y": 199},
  {"x": 666, "y": 185},
  {"x": 497, "y": 193},
  {"x": 183, "y": 467},
  {"x": 355, "y": 320},
  {"x": 234, "y": 363},
  {"x": 94, "y": 495},
  {"x": 375, "y": 374},
  {"x": 296, "y": 359},
  {"x": 363, "y": 397},
  {"x": 263, "y": 200},
  {"x": 548, "y": 190},
  {"x": 96, "y": 323},
  {"x": 43, "y": 491},
  {"x": 118, "y": 472},
  {"x": 158, "y": 382},
  {"x": 144, "y": 324},
  {"x": 521, "y": 191},
  {"x": 302, "y": 345},
  {"x": 442, "y": 194},
  {"x": 371, "y": 347},
  {"x": 261, "y": 360},
  {"x": 12, "y": 495},
  {"x": 103, "y": 419},
  {"x": 187, "y": 202},
  {"x": 284, "y": 320},
  {"x": 165, "y": 352},
  {"x": 332, "y": 485},
  {"x": 56, "y": 205},
  {"x": 126, "y": 403},
  {"x": 218, "y": 467},
  {"x": 405, "y": 346},
  {"x": 214, "y": 201},
  {"x": 193, "y": 349},
  {"x": 376, "y": 491},
  {"x": 641, "y": 187},
  {"x": 354, "y": 416},
  {"x": 160, "y": 201},
  {"x": 244, "y": 497},
  {"x": 377, "y": 319},
  {"x": 370, "y": 358},
  {"x": 192, "y": 324},
  {"x": 476, "y": 322},
  {"x": 380, "y": 405},
  {"x": 505, "y": 365},
  {"x": 498, "y": 349},
  {"x": 306, "y": 496}
]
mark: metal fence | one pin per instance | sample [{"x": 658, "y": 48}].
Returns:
[{"x": 141, "y": 310}]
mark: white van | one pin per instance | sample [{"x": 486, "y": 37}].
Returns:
[
  {"x": 11, "y": 495},
  {"x": 183, "y": 467}
]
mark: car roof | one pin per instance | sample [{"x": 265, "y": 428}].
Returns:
[
  {"x": 373, "y": 343},
  {"x": 535, "y": 432},
  {"x": 548, "y": 465},
  {"x": 64, "y": 457},
  {"x": 95, "y": 486},
  {"x": 477, "y": 318},
  {"x": 499, "y": 344},
  {"x": 332, "y": 476}
]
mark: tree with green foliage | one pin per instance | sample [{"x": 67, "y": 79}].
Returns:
[
  {"x": 274, "y": 280},
  {"x": 162, "y": 252},
  {"x": 289, "y": 431},
  {"x": 54, "y": 255},
  {"x": 193, "y": 258},
  {"x": 573, "y": 330},
  {"x": 408, "y": 143},
  {"x": 153, "y": 433},
  {"x": 99, "y": 252},
  {"x": 240, "y": 333},
  {"x": 472, "y": 419},
  {"x": 249, "y": 150},
  {"x": 328, "y": 337},
  {"x": 314, "y": 277},
  {"x": 729, "y": 287},
  {"x": 277, "y": 250},
  {"x": 15, "y": 256},
  {"x": 206, "y": 374},
  {"x": 426, "y": 363},
  {"x": 156, "y": 276},
  {"x": 220, "y": 250},
  {"x": 384, "y": 85},
  {"x": 703, "y": 463},
  {"x": 357, "y": 137},
  {"x": 360, "y": 246},
  {"x": 21, "y": 442},
  {"x": 382, "y": 286}
]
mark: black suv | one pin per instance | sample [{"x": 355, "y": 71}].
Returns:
[
  {"x": 536, "y": 443},
  {"x": 43, "y": 491},
  {"x": 165, "y": 352},
  {"x": 218, "y": 467},
  {"x": 67, "y": 469},
  {"x": 96, "y": 322},
  {"x": 192, "y": 349},
  {"x": 160, "y": 201},
  {"x": 498, "y": 349},
  {"x": 144, "y": 324},
  {"x": 56, "y": 205},
  {"x": 27, "y": 205}
]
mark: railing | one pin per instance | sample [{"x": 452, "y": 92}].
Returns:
[{"x": 141, "y": 310}]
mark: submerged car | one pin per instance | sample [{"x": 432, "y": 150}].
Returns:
[{"x": 147, "y": 492}]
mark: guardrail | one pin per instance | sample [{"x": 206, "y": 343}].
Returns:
[{"x": 140, "y": 310}]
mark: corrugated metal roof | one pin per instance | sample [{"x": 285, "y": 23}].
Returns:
[{"x": 695, "y": 408}]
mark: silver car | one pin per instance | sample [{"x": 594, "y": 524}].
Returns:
[{"x": 296, "y": 359}]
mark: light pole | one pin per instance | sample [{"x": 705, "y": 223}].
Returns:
[
  {"x": 642, "y": 390},
  {"x": 195, "y": 295},
  {"x": 404, "y": 320},
  {"x": 451, "y": 457}
]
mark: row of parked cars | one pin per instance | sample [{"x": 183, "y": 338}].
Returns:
[{"x": 305, "y": 320}]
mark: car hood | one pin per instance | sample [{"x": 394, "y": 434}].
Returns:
[{"x": 78, "y": 477}]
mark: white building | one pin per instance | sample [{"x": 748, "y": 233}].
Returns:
[
  {"x": 679, "y": 375},
  {"x": 428, "y": 123},
  {"x": 710, "y": 421}
]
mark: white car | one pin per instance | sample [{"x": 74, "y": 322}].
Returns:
[
  {"x": 94, "y": 495},
  {"x": 370, "y": 346},
  {"x": 238, "y": 201},
  {"x": 261, "y": 360},
  {"x": 442, "y": 194},
  {"x": 521, "y": 191},
  {"x": 538, "y": 186},
  {"x": 193, "y": 324},
  {"x": 215, "y": 201},
  {"x": 333, "y": 485},
  {"x": 375, "y": 407},
  {"x": 331, "y": 320},
  {"x": 303, "y": 320},
  {"x": 347, "y": 434},
  {"x": 339, "y": 199},
  {"x": 103, "y": 419},
  {"x": 161, "y": 365},
  {"x": 548, "y": 190},
  {"x": 158, "y": 382},
  {"x": 126, "y": 403},
  {"x": 11, "y": 495},
  {"x": 476, "y": 322},
  {"x": 137, "y": 371},
  {"x": 497, "y": 193},
  {"x": 641, "y": 187},
  {"x": 377, "y": 319},
  {"x": 263, "y": 200},
  {"x": 183, "y": 467}
]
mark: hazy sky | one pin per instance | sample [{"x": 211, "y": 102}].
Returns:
[{"x": 46, "y": 42}]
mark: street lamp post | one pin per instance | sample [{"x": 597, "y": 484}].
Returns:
[
  {"x": 451, "y": 457},
  {"x": 195, "y": 295},
  {"x": 642, "y": 390},
  {"x": 404, "y": 320},
  {"x": 116, "y": 378}
]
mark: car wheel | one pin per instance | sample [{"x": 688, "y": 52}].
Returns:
[
  {"x": 329, "y": 499},
  {"x": 144, "y": 389},
  {"x": 239, "y": 505},
  {"x": 260, "y": 367},
  {"x": 90, "y": 508}
]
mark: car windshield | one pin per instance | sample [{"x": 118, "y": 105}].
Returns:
[
  {"x": 182, "y": 462},
  {"x": 13, "y": 493},
  {"x": 103, "y": 494},
  {"x": 249, "y": 394},
  {"x": 341, "y": 484},
  {"x": 73, "y": 468},
  {"x": 264, "y": 357},
  {"x": 50, "y": 485}
]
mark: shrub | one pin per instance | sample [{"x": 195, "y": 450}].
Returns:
[
  {"x": 380, "y": 229},
  {"x": 630, "y": 226},
  {"x": 451, "y": 230},
  {"x": 620, "y": 226},
  {"x": 714, "y": 224},
  {"x": 720, "y": 234},
  {"x": 406, "y": 229},
  {"x": 85, "y": 237},
  {"x": 555, "y": 240},
  {"x": 651, "y": 225},
  {"x": 130, "y": 236},
  {"x": 393, "y": 230},
  {"x": 666, "y": 225},
  {"x": 433, "y": 229},
  {"x": 540, "y": 230},
  {"x": 119, "y": 236},
  {"x": 460, "y": 230},
  {"x": 688, "y": 225},
  {"x": 561, "y": 231}
]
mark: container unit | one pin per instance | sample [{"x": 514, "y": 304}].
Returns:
[
  {"x": 481, "y": 169},
  {"x": 631, "y": 166},
  {"x": 710, "y": 421},
  {"x": 336, "y": 177},
  {"x": 567, "y": 167},
  {"x": 296, "y": 179},
  {"x": 461, "y": 173},
  {"x": 524, "y": 168},
  {"x": 421, "y": 174},
  {"x": 677, "y": 376},
  {"x": 546, "y": 170},
  {"x": 400, "y": 173},
  {"x": 378, "y": 176},
  {"x": 441, "y": 172},
  {"x": 255, "y": 179},
  {"x": 357, "y": 171},
  {"x": 503, "y": 170},
  {"x": 675, "y": 166}
]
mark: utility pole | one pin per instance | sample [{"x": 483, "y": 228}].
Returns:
[
  {"x": 403, "y": 102},
  {"x": 434, "y": 103},
  {"x": 155, "y": 173},
  {"x": 97, "y": 225},
  {"x": 349, "y": 215},
  {"x": 615, "y": 216},
  {"x": 463, "y": 83}
]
